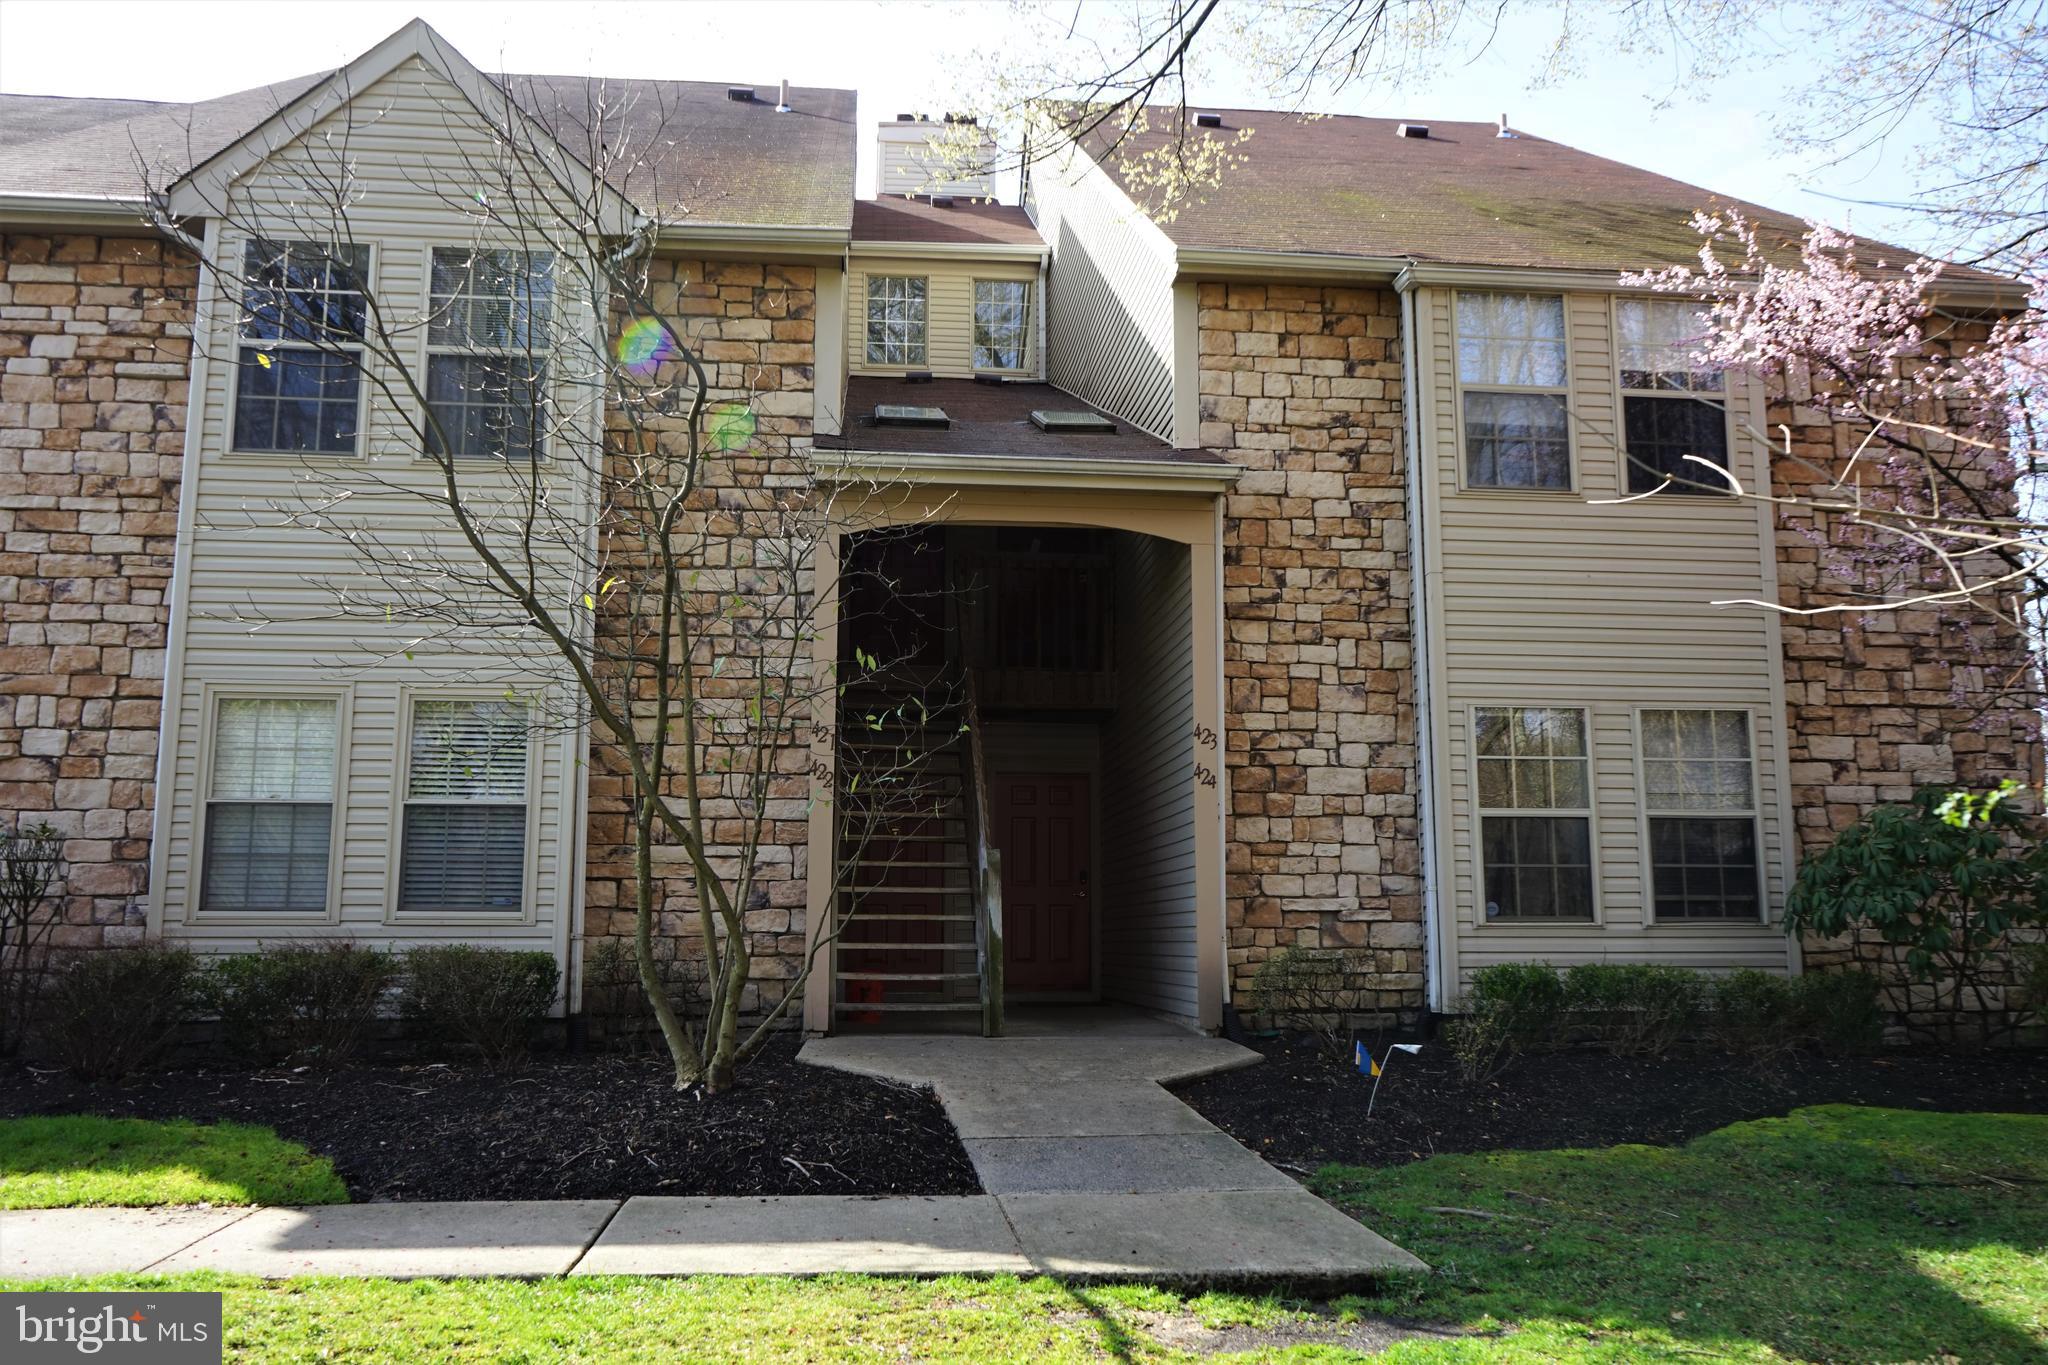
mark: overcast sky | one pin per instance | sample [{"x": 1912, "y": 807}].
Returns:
[{"x": 887, "y": 49}]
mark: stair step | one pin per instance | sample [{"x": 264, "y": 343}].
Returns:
[
  {"x": 864, "y": 916},
  {"x": 847, "y": 945},
  {"x": 857, "y": 1006},
  {"x": 910, "y": 976},
  {"x": 913, "y": 890},
  {"x": 888, "y": 862}
]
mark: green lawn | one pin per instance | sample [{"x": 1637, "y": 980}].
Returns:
[
  {"x": 1834, "y": 1234},
  {"x": 74, "y": 1162}
]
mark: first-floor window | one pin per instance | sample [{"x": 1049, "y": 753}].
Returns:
[
  {"x": 1535, "y": 812},
  {"x": 270, "y": 805},
  {"x": 464, "y": 844},
  {"x": 1700, "y": 797},
  {"x": 999, "y": 326}
]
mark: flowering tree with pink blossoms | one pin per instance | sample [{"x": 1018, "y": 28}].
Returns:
[{"x": 1932, "y": 502}]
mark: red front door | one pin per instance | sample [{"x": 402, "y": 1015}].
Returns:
[{"x": 1041, "y": 826}]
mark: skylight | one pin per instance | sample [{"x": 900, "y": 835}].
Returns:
[
  {"x": 904, "y": 415},
  {"x": 1072, "y": 423}
]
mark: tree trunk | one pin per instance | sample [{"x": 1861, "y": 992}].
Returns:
[{"x": 680, "y": 1049}]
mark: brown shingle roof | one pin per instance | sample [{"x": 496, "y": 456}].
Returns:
[
  {"x": 989, "y": 419},
  {"x": 1464, "y": 196},
  {"x": 692, "y": 152},
  {"x": 902, "y": 219}
]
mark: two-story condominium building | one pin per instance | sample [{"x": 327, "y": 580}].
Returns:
[{"x": 1308, "y": 551}]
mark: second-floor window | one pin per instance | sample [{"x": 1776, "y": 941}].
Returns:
[
  {"x": 1000, "y": 330},
  {"x": 1512, "y": 383},
  {"x": 298, "y": 380},
  {"x": 487, "y": 342},
  {"x": 896, "y": 320},
  {"x": 1673, "y": 406}
]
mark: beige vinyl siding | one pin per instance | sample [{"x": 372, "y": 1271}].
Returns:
[
  {"x": 949, "y": 312},
  {"x": 1146, "y": 903},
  {"x": 1110, "y": 305},
  {"x": 257, "y": 588},
  {"x": 1553, "y": 599}
]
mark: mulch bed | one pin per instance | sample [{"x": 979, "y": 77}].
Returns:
[
  {"x": 1300, "y": 1109},
  {"x": 564, "y": 1127}
]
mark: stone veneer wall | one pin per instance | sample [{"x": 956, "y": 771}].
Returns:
[
  {"x": 754, "y": 327},
  {"x": 1878, "y": 703},
  {"x": 95, "y": 339},
  {"x": 1302, "y": 386}
]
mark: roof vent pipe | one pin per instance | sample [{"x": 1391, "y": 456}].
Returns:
[
  {"x": 782, "y": 105},
  {"x": 1506, "y": 131}
]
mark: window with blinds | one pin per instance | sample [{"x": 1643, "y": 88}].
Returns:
[
  {"x": 464, "y": 845},
  {"x": 270, "y": 806},
  {"x": 1699, "y": 778}
]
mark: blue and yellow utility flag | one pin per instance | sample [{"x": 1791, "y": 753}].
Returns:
[{"x": 1363, "y": 1059}]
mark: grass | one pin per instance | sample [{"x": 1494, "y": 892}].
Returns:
[
  {"x": 80, "y": 1162},
  {"x": 1834, "y": 1234}
]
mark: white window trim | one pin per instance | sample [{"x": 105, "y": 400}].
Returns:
[
  {"x": 1644, "y": 814},
  {"x": 401, "y": 780},
  {"x": 482, "y": 464},
  {"x": 1564, "y": 391},
  {"x": 231, "y": 313},
  {"x": 1476, "y": 814},
  {"x": 867, "y": 295},
  {"x": 211, "y": 696},
  {"x": 1726, "y": 397},
  {"x": 1025, "y": 354}
]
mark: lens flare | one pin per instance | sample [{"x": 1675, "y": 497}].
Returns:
[
  {"x": 729, "y": 425},
  {"x": 645, "y": 345}
]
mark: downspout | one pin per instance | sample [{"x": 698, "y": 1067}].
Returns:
[
  {"x": 171, "y": 706},
  {"x": 1419, "y": 597}
]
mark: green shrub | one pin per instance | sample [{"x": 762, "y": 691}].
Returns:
[
  {"x": 1512, "y": 1008},
  {"x": 1636, "y": 1007},
  {"x": 305, "y": 1002},
  {"x": 1312, "y": 991},
  {"x": 113, "y": 1011},
  {"x": 1753, "y": 1012},
  {"x": 1840, "y": 1011},
  {"x": 490, "y": 997},
  {"x": 1945, "y": 880}
]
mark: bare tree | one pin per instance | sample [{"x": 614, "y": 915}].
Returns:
[{"x": 567, "y": 501}]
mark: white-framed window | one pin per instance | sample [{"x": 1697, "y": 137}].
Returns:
[
  {"x": 269, "y": 822},
  {"x": 462, "y": 849},
  {"x": 896, "y": 320},
  {"x": 1535, "y": 812},
  {"x": 1001, "y": 326},
  {"x": 491, "y": 315},
  {"x": 1699, "y": 796},
  {"x": 1672, "y": 406},
  {"x": 1513, "y": 382},
  {"x": 298, "y": 363}
]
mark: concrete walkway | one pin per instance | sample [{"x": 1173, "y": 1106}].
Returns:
[
  {"x": 1092, "y": 1171},
  {"x": 1102, "y": 1173}
]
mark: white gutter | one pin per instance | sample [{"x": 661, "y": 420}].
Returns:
[
  {"x": 59, "y": 210},
  {"x": 1981, "y": 293},
  {"x": 1420, "y": 588},
  {"x": 826, "y": 241},
  {"x": 1024, "y": 471},
  {"x": 1239, "y": 262}
]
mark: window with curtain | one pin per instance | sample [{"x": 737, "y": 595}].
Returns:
[
  {"x": 298, "y": 374},
  {"x": 1672, "y": 405},
  {"x": 896, "y": 323},
  {"x": 1512, "y": 383},
  {"x": 1535, "y": 803},
  {"x": 1699, "y": 792},
  {"x": 487, "y": 346},
  {"x": 270, "y": 806},
  {"x": 464, "y": 843},
  {"x": 1000, "y": 309}
]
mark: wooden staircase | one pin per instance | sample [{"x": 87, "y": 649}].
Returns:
[{"x": 913, "y": 900}]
